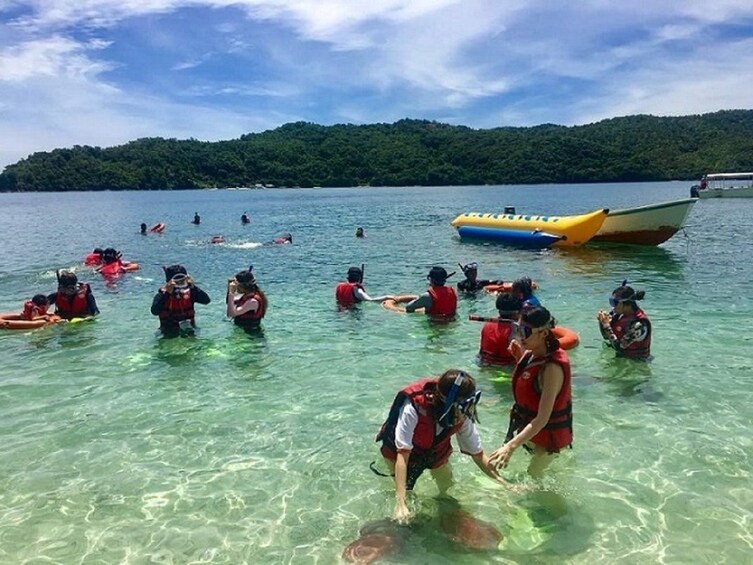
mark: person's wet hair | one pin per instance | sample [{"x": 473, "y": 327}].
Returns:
[
  {"x": 355, "y": 275},
  {"x": 627, "y": 295},
  {"x": 540, "y": 317},
  {"x": 508, "y": 303},
  {"x": 524, "y": 286},
  {"x": 467, "y": 387},
  {"x": 97, "y": 250},
  {"x": 40, "y": 300},
  {"x": 109, "y": 255},
  {"x": 67, "y": 279}
]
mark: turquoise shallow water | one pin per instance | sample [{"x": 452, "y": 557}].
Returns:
[{"x": 118, "y": 446}]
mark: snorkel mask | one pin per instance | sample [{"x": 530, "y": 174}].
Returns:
[
  {"x": 614, "y": 301},
  {"x": 180, "y": 281},
  {"x": 466, "y": 406}
]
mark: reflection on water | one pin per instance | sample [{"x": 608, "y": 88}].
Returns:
[{"x": 596, "y": 260}]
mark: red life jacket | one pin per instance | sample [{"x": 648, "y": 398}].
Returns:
[
  {"x": 178, "y": 307},
  {"x": 444, "y": 301},
  {"x": 345, "y": 293},
  {"x": 558, "y": 432},
  {"x": 93, "y": 259},
  {"x": 31, "y": 310},
  {"x": 620, "y": 324},
  {"x": 112, "y": 269},
  {"x": 425, "y": 439},
  {"x": 495, "y": 339},
  {"x": 250, "y": 318},
  {"x": 76, "y": 306}
]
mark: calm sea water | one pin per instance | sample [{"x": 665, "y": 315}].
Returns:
[{"x": 120, "y": 447}]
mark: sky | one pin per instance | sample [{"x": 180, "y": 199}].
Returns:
[{"x": 105, "y": 72}]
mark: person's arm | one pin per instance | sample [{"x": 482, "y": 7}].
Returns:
[
  {"x": 158, "y": 304},
  {"x": 470, "y": 444},
  {"x": 92, "y": 304},
  {"x": 363, "y": 296},
  {"x": 233, "y": 310},
  {"x": 605, "y": 326},
  {"x": 550, "y": 379},
  {"x": 199, "y": 296},
  {"x": 406, "y": 425},
  {"x": 423, "y": 301}
]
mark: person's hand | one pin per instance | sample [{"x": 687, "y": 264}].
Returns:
[
  {"x": 516, "y": 349},
  {"x": 169, "y": 286},
  {"x": 603, "y": 318},
  {"x": 402, "y": 514},
  {"x": 189, "y": 280},
  {"x": 232, "y": 286},
  {"x": 501, "y": 457}
]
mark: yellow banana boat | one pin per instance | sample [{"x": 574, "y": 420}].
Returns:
[{"x": 576, "y": 229}]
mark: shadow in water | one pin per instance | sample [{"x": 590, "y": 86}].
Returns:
[
  {"x": 605, "y": 258},
  {"x": 622, "y": 377}
]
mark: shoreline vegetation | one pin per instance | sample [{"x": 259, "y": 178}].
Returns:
[{"x": 407, "y": 153}]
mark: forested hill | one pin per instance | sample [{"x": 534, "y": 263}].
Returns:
[{"x": 408, "y": 152}]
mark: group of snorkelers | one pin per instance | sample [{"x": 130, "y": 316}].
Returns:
[{"x": 426, "y": 414}]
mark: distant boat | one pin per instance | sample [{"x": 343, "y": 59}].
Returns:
[
  {"x": 724, "y": 185},
  {"x": 645, "y": 225},
  {"x": 576, "y": 230}
]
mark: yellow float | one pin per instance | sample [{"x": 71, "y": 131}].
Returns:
[{"x": 576, "y": 230}]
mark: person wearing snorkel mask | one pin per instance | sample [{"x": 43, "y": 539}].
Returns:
[
  {"x": 541, "y": 417},
  {"x": 73, "y": 299},
  {"x": 246, "y": 302},
  {"x": 350, "y": 293},
  {"x": 471, "y": 284},
  {"x": 626, "y": 328},
  {"x": 174, "y": 302},
  {"x": 439, "y": 301},
  {"x": 416, "y": 435}
]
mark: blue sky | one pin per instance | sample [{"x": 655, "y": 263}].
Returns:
[{"x": 103, "y": 72}]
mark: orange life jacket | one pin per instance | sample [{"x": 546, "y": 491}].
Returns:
[{"x": 558, "y": 432}]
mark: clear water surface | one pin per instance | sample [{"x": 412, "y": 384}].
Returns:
[{"x": 120, "y": 447}]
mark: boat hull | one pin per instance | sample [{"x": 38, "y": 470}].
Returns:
[
  {"x": 573, "y": 230},
  {"x": 734, "y": 192},
  {"x": 645, "y": 225},
  {"x": 515, "y": 238}
]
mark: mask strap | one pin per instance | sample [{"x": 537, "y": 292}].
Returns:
[{"x": 451, "y": 396}]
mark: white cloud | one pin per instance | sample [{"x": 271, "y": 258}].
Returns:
[
  {"x": 482, "y": 63},
  {"x": 53, "y": 56}
]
